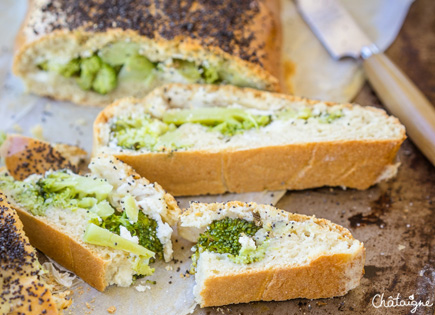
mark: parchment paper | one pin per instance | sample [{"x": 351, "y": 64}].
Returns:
[
  {"x": 309, "y": 69},
  {"x": 314, "y": 74}
]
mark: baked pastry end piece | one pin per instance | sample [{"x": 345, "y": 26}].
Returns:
[{"x": 23, "y": 289}]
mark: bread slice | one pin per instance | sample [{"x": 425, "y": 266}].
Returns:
[
  {"x": 59, "y": 232},
  {"x": 356, "y": 148},
  {"x": 305, "y": 257},
  {"x": 236, "y": 42},
  {"x": 25, "y": 156},
  {"x": 23, "y": 285}
]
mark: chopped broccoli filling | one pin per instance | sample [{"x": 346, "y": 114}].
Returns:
[
  {"x": 228, "y": 121},
  {"x": 145, "y": 229},
  {"x": 136, "y": 133},
  {"x": 59, "y": 189},
  {"x": 156, "y": 135},
  {"x": 224, "y": 237},
  {"x": 123, "y": 61},
  {"x": 66, "y": 190},
  {"x": 140, "y": 132}
]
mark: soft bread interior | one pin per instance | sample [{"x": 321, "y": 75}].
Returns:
[
  {"x": 295, "y": 240},
  {"x": 151, "y": 197},
  {"x": 357, "y": 122}
]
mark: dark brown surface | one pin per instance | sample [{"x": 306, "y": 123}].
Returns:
[
  {"x": 395, "y": 220},
  {"x": 215, "y": 23}
]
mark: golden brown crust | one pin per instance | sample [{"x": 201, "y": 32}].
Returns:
[
  {"x": 25, "y": 156},
  {"x": 64, "y": 250},
  {"x": 351, "y": 163},
  {"x": 322, "y": 278},
  {"x": 22, "y": 290}
]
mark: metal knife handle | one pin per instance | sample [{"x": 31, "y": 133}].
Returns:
[{"x": 404, "y": 100}]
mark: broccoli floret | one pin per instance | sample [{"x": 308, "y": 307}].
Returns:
[
  {"x": 139, "y": 132},
  {"x": 80, "y": 186},
  {"x": 145, "y": 229},
  {"x": 89, "y": 68},
  {"x": 210, "y": 75},
  {"x": 58, "y": 189},
  {"x": 105, "y": 80},
  {"x": 222, "y": 237}
]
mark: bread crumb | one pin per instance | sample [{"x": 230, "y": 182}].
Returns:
[
  {"x": 81, "y": 122},
  {"x": 111, "y": 310},
  {"x": 17, "y": 128},
  {"x": 88, "y": 305},
  {"x": 401, "y": 247},
  {"x": 142, "y": 288},
  {"x": 37, "y": 132}
]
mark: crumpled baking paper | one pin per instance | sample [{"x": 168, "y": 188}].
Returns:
[{"x": 314, "y": 74}]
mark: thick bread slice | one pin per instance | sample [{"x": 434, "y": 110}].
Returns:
[
  {"x": 357, "y": 150},
  {"x": 25, "y": 156},
  {"x": 306, "y": 257},
  {"x": 23, "y": 288},
  {"x": 59, "y": 233},
  {"x": 243, "y": 37}
]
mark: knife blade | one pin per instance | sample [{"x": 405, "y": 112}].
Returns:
[
  {"x": 342, "y": 37},
  {"x": 335, "y": 28}
]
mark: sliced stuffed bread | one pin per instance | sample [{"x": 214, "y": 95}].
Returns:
[
  {"x": 247, "y": 252},
  {"x": 23, "y": 284},
  {"x": 106, "y": 226},
  {"x": 93, "y": 52},
  {"x": 199, "y": 139}
]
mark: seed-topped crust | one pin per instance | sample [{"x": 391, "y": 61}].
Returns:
[
  {"x": 22, "y": 291},
  {"x": 247, "y": 29},
  {"x": 25, "y": 156}
]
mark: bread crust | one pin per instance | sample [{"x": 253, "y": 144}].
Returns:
[
  {"x": 252, "y": 40},
  {"x": 23, "y": 291},
  {"x": 350, "y": 163},
  {"x": 25, "y": 156},
  {"x": 326, "y": 276},
  {"x": 64, "y": 250}
]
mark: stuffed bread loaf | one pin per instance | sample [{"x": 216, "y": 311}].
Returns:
[
  {"x": 247, "y": 252},
  {"x": 105, "y": 226},
  {"x": 199, "y": 139},
  {"x": 93, "y": 52}
]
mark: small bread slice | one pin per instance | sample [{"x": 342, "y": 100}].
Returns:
[
  {"x": 355, "y": 150},
  {"x": 306, "y": 257},
  {"x": 59, "y": 232},
  {"x": 25, "y": 156},
  {"x": 23, "y": 289}
]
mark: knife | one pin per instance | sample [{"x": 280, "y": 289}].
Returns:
[{"x": 342, "y": 37}]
